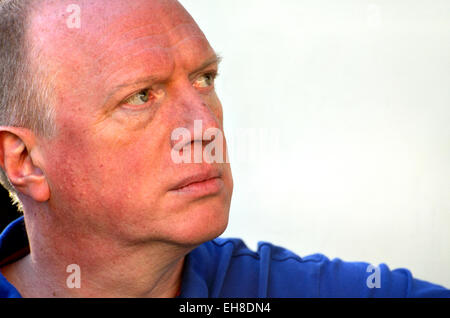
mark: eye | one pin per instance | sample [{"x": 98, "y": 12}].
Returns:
[
  {"x": 139, "y": 98},
  {"x": 205, "y": 80}
]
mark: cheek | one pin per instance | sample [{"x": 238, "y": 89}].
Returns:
[
  {"x": 115, "y": 174},
  {"x": 118, "y": 174},
  {"x": 69, "y": 186},
  {"x": 94, "y": 190}
]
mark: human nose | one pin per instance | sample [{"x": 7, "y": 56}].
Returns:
[{"x": 196, "y": 113}]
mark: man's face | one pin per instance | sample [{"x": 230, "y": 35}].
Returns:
[{"x": 133, "y": 73}]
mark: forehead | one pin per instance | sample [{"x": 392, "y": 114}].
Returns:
[{"x": 114, "y": 34}]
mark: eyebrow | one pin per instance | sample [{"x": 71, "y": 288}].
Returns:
[
  {"x": 215, "y": 59},
  {"x": 139, "y": 80}
]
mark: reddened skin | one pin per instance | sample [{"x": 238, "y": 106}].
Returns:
[{"x": 20, "y": 158}]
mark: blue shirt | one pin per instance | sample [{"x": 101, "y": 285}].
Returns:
[{"x": 227, "y": 268}]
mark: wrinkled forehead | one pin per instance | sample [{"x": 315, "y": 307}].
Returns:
[{"x": 105, "y": 30}]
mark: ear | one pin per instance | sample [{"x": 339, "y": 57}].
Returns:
[{"x": 18, "y": 158}]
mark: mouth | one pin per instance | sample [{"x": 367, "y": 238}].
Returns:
[{"x": 200, "y": 184}]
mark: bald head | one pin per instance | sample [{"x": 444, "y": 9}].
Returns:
[
  {"x": 87, "y": 47},
  {"x": 125, "y": 75},
  {"x": 42, "y": 39}
]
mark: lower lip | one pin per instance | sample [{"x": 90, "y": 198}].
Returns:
[{"x": 204, "y": 188}]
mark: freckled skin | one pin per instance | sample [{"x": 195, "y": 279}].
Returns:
[{"x": 109, "y": 169}]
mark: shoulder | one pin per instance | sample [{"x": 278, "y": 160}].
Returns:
[
  {"x": 231, "y": 269},
  {"x": 13, "y": 246}
]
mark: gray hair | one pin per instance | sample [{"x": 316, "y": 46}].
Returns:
[{"x": 25, "y": 100}]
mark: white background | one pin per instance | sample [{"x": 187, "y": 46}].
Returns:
[{"x": 337, "y": 115}]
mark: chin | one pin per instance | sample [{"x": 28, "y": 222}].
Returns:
[
  {"x": 201, "y": 225},
  {"x": 180, "y": 222},
  {"x": 198, "y": 222}
]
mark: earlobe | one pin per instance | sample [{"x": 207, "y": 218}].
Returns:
[
  {"x": 36, "y": 186},
  {"x": 17, "y": 162}
]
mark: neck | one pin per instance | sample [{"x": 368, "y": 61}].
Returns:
[{"x": 107, "y": 268}]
